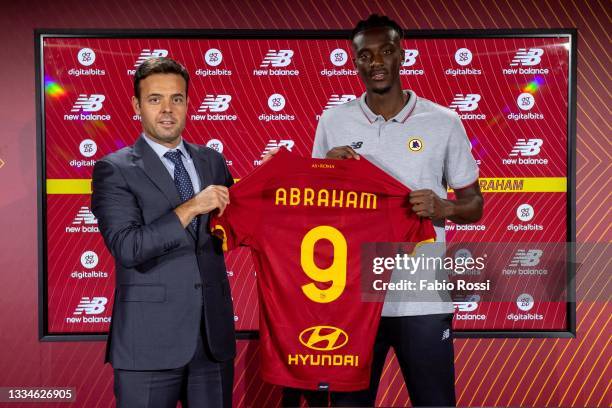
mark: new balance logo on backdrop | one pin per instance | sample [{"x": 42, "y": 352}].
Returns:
[
  {"x": 337, "y": 99},
  {"x": 280, "y": 58},
  {"x": 527, "y": 147},
  {"x": 410, "y": 58},
  {"x": 530, "y": 257},
  {"x": 84, "y": 216},
  {"x": 91, "y": 306},
  {"x": 91, "y": 103},
  {"x": 465, "y": 103},
  {"x": 527, "y": 57},
  {"x": 215, "y": 103},
  {"x": 525, "y": 61},
  {"x": 273, "y": 144},
  {"x": 148, "y": 53},
  {"x": 465, "y": 306}
]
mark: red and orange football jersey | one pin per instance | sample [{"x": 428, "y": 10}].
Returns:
[{"x": 305, "y": 221}]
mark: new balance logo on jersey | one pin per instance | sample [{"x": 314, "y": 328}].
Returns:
[
  {"x": 337, "y": 99},
  {"x": 218, "y": 103},
  {"x": 527, "y": 147},
  {"x": 446, "y": 334},
  {"x": 465, "y": 103},
  {"x": 91, "y": 306},
  {"x": 529, "y": 257},
  {"x": 84, "y": 216},
  {"x": 148, "y": 53},
  {"x": 527, "y": 57},
  {"x": 91, "y": 103},
  {"x": 280, "y": 58},
  {"x": 273, "y": 144}
]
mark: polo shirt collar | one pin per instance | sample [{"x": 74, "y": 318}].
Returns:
[{"x": 401, "y": 116}]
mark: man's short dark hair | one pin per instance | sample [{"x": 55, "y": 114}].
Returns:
[
  {"x": 376, "y": 21},
  {"x": 159, "y": 65}
]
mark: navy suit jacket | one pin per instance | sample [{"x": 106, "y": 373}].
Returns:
[{"x": 169, "y": 279}]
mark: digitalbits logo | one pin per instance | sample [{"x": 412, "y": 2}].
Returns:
[
  {"x": 410, "y": 58},
  {"x": 525, "y": 101},
  {"x": 215, "y": 144},
  {"x": 463, "y": 56},
  {"x": 89, "y": 259},
  {"x": 525, "y": 212},
  {"x": 213, "y": 57},
  {"x": 338, "y": 57},
  {"x": 276, "y": 102},
  {"x": 86, "y": 56},
  {"x": 88, "y": 148},
  {"x": 525, "y": 302}
]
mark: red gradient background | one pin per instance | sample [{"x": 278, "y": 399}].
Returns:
[{"x": 518, "y": 372}]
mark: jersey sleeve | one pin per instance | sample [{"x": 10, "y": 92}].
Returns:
[
  {"x": 409, "y": 227},
  {"x": 460, "y": 168},
  {"x": 239, "y": 220}
]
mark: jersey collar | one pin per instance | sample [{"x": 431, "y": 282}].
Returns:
[{"x": 401, "y": 116}]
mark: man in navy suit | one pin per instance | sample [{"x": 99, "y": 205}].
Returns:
[{"x": 172, "y": 332}]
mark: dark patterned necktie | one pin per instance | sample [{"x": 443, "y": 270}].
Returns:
[{"x": 182, "y": 180}]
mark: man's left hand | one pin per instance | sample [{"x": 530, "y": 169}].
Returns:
[{"x": 426, "y": 203}]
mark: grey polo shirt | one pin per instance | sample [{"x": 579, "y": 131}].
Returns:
[{"x": 423, "y": 146}]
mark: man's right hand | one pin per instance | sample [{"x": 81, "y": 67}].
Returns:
[
  {"x": 342, "y": 152},
  {"x": 207, "y": 200}
]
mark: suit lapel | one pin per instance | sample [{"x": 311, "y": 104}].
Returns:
[
  {"x": 146, "y": 159},
  {"x": 202, "y": 167}
]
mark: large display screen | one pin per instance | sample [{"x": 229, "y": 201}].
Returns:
[{"x": 253, "y": 91}]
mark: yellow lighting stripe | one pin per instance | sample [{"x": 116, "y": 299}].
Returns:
[
  {"x": 68, "y": 186},
  {"x": 487, "y": 185}
]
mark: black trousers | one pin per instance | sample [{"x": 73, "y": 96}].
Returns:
[
  {"x": 424, "y": 349},
  {"x": 201, "y": 383}
]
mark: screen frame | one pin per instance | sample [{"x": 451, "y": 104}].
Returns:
[{"x": 258, "y": 34}]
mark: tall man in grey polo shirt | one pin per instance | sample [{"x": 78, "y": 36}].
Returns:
[{"x": 423, "y": 145}]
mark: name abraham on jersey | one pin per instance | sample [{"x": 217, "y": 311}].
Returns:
[{"x": 309, "y": 197}]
